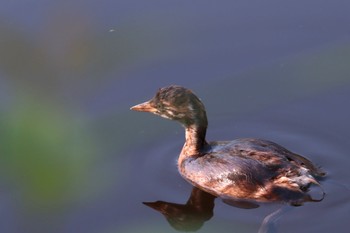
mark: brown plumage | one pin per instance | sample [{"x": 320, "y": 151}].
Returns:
[{"x": 252, "y": 169}]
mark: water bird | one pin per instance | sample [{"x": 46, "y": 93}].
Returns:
[{"x": 241, "y": 169}]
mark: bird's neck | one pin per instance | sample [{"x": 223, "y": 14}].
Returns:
[
  {"x": 195, "y": 139},
  {"x": 195, "y": 131},
  {"x": 195, "y": 142}
]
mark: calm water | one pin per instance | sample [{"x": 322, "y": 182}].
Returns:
[{"x": 75, "y": 159}]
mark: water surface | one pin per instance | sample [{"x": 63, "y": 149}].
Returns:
[{"x": 75, "y": 159}]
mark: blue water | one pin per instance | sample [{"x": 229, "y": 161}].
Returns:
[{"x": 75, "y": 159}]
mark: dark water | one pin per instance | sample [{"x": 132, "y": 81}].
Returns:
[{"x": 75, "y": 159}]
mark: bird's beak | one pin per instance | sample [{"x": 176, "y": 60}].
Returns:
[{"x": 144, "y": 107}]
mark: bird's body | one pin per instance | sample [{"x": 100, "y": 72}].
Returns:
[{"x": 252, "y": 169}]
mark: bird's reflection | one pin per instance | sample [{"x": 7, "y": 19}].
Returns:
[
  {"x": 190, "y": 216},
  {"x": 199, "y": 209}
]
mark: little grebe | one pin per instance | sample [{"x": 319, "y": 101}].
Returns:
[{"x": 252, "y": 169}]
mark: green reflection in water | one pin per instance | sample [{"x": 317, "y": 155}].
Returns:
[{"x": 46, "y": 154}]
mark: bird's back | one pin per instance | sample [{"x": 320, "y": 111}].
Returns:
[{"x": 250, "y": 169}]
